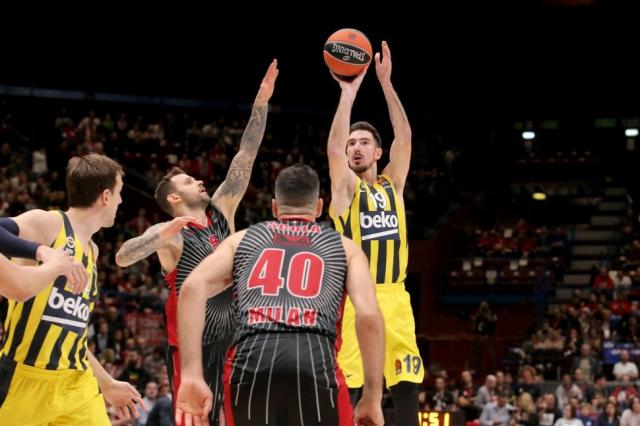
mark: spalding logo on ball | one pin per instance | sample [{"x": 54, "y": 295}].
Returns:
[{"x": 347, "y": 52}]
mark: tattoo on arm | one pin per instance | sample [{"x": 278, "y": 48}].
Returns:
[
  {"x": 239, "y": 174},
  {"x": 141, "y": 247}
]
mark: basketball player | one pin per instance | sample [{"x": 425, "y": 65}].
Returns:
[
  {"x": 289, "y": 279},
  {"x": 200, "y": 223},
  {"x": 368, "y": 207},
  {"x": 46, "y": 372}
]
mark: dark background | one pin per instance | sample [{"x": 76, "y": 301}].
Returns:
[{"x": 452, "y": 58}]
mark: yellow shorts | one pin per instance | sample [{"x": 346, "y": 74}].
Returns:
[
  {"x": 402, "y": 358},
  {"x": 30, "y": 396}
]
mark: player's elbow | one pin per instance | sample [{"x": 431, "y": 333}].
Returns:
[
  {"x": 336, "y": 155},
  {"x": 121, "y": 261},
  {"x": 371, "y": 321},
  {"x": 191, "y": 287},
  {"x": 404, "y": 135}
]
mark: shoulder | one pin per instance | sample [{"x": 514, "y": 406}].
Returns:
[
  {"x": 40, "y": 217},
  {"x": 39, "y": 225}
]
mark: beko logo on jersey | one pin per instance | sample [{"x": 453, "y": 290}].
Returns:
[
  {"x": 379, "y": 224},
  {"x": 74, "y": 306},
  {"x": 378, "y": 220}
]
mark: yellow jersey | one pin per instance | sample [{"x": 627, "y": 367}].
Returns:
[
  {"x": 376, "y": 221},
  {"x": 49, "y": 331}
]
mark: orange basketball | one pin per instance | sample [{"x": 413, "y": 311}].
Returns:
[{"x": 347, "y": 52}]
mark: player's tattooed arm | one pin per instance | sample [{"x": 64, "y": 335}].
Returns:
[
  {"x": 239, "y": 174},
  {"x": 231, "y": 191},
  {"x": 158, "y": 236}
]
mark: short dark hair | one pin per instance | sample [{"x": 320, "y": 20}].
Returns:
[
  {"x": 297, "y": 186},
  {"x": 365, "y": 125},
  {"x": 502, "y": 393},
  {"x": 166, "y": 187},
  {"x": 88, "y": 176}
]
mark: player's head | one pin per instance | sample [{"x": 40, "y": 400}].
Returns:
[
  {"x": 297, "y": 192},
  {"x": 364, "y": 146},
  {"x": 178, "y": 188},
  {"x": 95, "y": 181}
]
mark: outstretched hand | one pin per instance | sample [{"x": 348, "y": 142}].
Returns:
[
  {"x": 173, "y": 227},
  {"x": 268, "y": 83},
  {"x": 383, "y": 64}
]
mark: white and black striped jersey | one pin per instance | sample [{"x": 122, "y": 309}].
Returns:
[
  {"x": 289, "y": 275},
  {"x": 198, "y": 243}
]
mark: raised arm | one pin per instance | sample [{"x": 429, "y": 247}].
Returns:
[
  {"x": 343, "y": 179},
  {"x": 162, "y": 236},
  {"x": 400, "y": 153},
  {"x": 210, "y": 277},
  {"x": 230, "y": 192},
  {"x": 370, "y": 332}
]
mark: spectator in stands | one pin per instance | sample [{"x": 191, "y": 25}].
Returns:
[
  {"x": 441, "y": 399},
  {"x": 620, "y": 305},
  {"x": 609, "y": 416},
  {"x": 485, "y": 326},
  {"x": 569, "y": 319},
  {"x": 586, "y": 362},
  {"x": 162, "y": 412},
  {"x": 133, "y": 372},
  {"x": 466, "y": 396},
  {"x": 103, "y": 339},
  {"x": 603, "y": 281},
  {"x": 586, "y": 414},
  {"x": 527, "y": 382},
  {"x": 624, "y": 392},
  {"x": 150, "y": 397},
  {"x": 627, "y": 329},
  {"x": 497, "y": 413},
  {"x": 568, "y": 417},
  {"x": 39, "y": 165},
  {"x": 625, "y": 367},
  {"x": 631, "y": 416},
  {"x": 525, "y": 414},
  {"x": 588, "y": 391},
  {"x": 600, "y": 386},
  {"x": 595, "y": 339},
  {"x": 556, "y": 343},
  {"x": 155, "y": 361},
  {"x": 566, "y": 390},
  {"x": 622, "y": 281},
  {"x": 548, "y": 411},
  {"x": 486, "y": 392}
]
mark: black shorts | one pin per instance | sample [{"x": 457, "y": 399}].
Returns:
[
  {"x": 213, "y": 357},
  {"x": 285, "y": 379}
]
